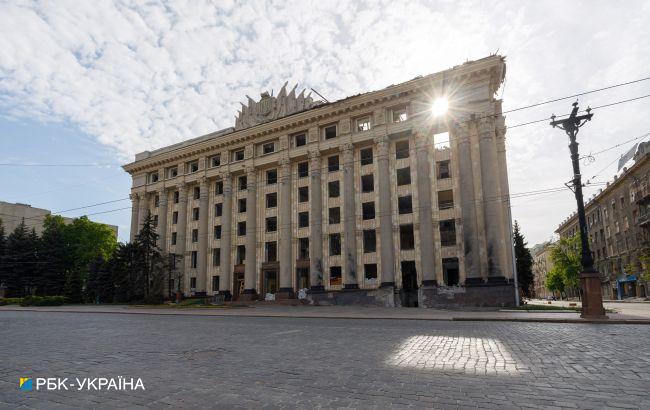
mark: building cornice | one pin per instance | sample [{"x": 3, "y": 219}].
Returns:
[{"x": 492, "y": 66}]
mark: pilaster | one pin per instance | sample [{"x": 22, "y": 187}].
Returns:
[
  {"x": 349, "y": 218},
  {"x": 387, "y": 251},
  {"x": 315, "y": 222}
]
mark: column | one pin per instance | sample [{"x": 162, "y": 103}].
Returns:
[
  {"x": 250, "y": 270},
  {"x": 162, "y": 220},
  {"x": 492, "y": 200},
  {"x": 285, "y": 241},
  {"x": 202, "y": 262},
  {"x": 143, "y": 212},
  {"x": 181, "y": 230},
  {"x": 427, "y": 248},
  {"x": 315, "y": 223},
  {"x": 387, "y": 247},
  {"x": 349, "y": 217},
  {"x": 470, "y": 234},
  {"x": 505, "y": 194},
  {"x": 135, "y": 206},
  {"x": 226, "y": 236}
]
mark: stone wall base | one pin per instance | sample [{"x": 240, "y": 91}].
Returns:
[
  {"x": 384, "y": 297},
  {"x": 495, "y": 294}
]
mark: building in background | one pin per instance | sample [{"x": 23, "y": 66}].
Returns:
[
  {"x": 542, "y": 265},
  {"x": 13, "y": 214},
  {"x": 371, "y": 199},
  {"x": 617, "y": 224}
]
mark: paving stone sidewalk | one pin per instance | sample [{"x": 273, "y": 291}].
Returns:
[{"x": 250, "y": 362}]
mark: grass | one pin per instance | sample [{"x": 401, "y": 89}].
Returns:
[{"x": 547, "y": 307}]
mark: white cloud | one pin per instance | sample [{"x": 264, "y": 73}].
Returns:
[{"x": 142, "y": 76}]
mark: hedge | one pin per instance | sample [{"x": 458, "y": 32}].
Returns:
[
  {"x": 9, "y": 301},
  {"x": 42, "y": 301}
]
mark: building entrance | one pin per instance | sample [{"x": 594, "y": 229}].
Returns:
[
  {"x": 270, "y": 282},
  {"x": 238, "y": 285},
  {"x": 302, "y": 278},
  {"x": 409, "y": 291}
]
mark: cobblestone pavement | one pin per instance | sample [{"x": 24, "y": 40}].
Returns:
[{"x": 233, "y": 362}]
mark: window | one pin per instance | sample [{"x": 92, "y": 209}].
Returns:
[
  {"x": 156, "y": 201},
  {"x": 193, "y": 281},
  {"x": 448, "y": 232},
  {"x": 197, "y": 192},
  {"x": 369, "y": 241},
  {"x": 401, "y": 149},
  {"x": 333, "y": 189},
  {"x": 272, "y": 224},
  {"x": 238, "y": 155},
  {"x": 303, "y": 248},
  {"x": 404, "y": 176},
  {"x": 195, "y": 235},
  {"x": 303, "y": 194},
  {"x": 300, "y": 140},
  {"x": 155, "y": 220},
  {"x": 241, "y": 254},
  {"x": 441, "y": 140},
  {"x": 217, "y": 232},
  {"x": 443, "y": 169},
  {"x": 241, "y": 228},
  {"x": 216, "y": 259},
  {"x": 268, "y": 148},
  {"x": 303, "y": 219},
  {"x": 329, "y": 132},
  {"x": 405, "y": 205},
  {"x": 215, "y": 161},
  {"x": 218, "y": 209},
  {"x": 153, "y": 177},
  {"x": 334, "y": 215},
  {"x": 271, "y": 176},
  {"x": 271, "y": 251},
  {"x": 445, "y": 199},
  {"x": 241, "y": 205},
  {"x": 174, "y": 236},
  {"x": 406, "y": 238},
  {"x": 335, "y": 275},
  {"x": 399, "y": 114},
  {"x": 176, "y": 196},
  {"x": 272, "y": 200},
  {"x": 370, "y": 270},
  {"x": 218, "y": 188},
  {"x": 194, "y": 258},
  {"x": 243, "y": 183},
  {"x": 172, "y": 172},
  {"x": 368, "y": 210},
  {"x": 335, "y": 244},
  {"x": 303, "y": 170},
  {"x": 367, "y": 183},
  {"x": 363, "y": 124},
  {"x": 366, "y": 156},
  {"x": 215, "y": 283},
  {"x": 193, "y": 166},
  {"x": 333, "y": 163},
  {"x": 195, "y": 214}
]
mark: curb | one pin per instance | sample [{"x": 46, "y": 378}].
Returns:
[{"x": 299, "y": 316}]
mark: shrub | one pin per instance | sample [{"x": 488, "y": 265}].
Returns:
[
  {"x": 9, "y": 301},
  {"x": 42, "y": 301}
]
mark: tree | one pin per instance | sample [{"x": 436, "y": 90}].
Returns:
[
  {"x": 99, "y": 284},
  {"x": 3, "y": 253},
  {"x": 20, "y": 267},
  {"x": 152, "y": 263},
  {"x": 53, "y": 254},
  {"x": 126, "y": 279},
  {"x": 566, "y": 254},
  {"x": 555, "y": 281},
  {"x": 524, "y": 263}
]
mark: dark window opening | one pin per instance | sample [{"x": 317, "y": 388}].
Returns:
[
  {"x": 271, "y": 176},
  {"x": 272, "y": 224},
  {"x": 330, "y": 132},
  {"x": 303, "y": 194},
  {"x": 366, "y": 156},
  {"x": 272, "y": 200},
  {"x": 367, "y": 183},
  {"x": 335, "y": 244},
  {"x": 368, "y": 210},
  {"x": 445, "y": 199},
  {"x": 303, "y": 219},
  {"x": 404, "y": 176},
  {"x": 334, "y": 215},
  {"x": 334, "y": 189},
  {"x": 303, "y": 170},
  {"x": 370, "y": 270},
  {"x": 369, "y": 241},
  {"x": 406, "y": 237},
  {"x": 443, "y": 169},
  {"x": 448, "y": 232},
  {"x": 333, "y": 163},
  {"x": 401, "y": 149},
  {"x": 335, "y": 275},
  {"x": 303, "y": 248},
  {"x": 405, "y": 204}
]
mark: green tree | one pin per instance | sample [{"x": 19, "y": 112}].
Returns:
[
  {"x": 524, "y": 262},
  {"x": 151, "y": 262},
  {"x": 53, "y": 256},
  {"x": 3, "y": 253},
  {"x": 126, "y": 278},
  {"x": 99, "y": 283},
  {"x": 21, "y": 262},
  {"x": 566, "y": 257},
  {"x": 555, "y": 281}
]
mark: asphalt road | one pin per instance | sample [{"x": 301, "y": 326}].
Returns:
[{"x": 248, "y": 362}]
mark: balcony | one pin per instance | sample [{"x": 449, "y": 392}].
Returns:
[
  {"x": 644, "y": 220},
  {"x": 640, "y": 192}
]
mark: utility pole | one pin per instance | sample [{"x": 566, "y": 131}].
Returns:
[{"x": 592, "y": 299}]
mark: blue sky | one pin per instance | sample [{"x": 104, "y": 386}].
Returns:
[{"x": 96, "y": 82}]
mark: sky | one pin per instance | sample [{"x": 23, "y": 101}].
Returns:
[{"x": 93, "y": 83}]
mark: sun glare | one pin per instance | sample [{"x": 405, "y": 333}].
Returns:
[{"x": 439, "y": 107}]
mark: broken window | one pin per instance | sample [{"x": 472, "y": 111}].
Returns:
[
  {"x": 193, "y": 166},
  {"x": 218, "y": 209},
  {"x": 218, "y": 188},
  {"x": 448, "y": 232},
  {"x": 174, "y": 217},
  {"x": 366, "y": 156},
  {"x": 176, "y": 196},
  {"x": 272, "y": 224},
  {"x": 217, "y": 232},
  {"x": 333, "y": 189},
  {"x": 450, "y": 271},
  {"x": 238, "y": 155},
  {"x": 174, "y": 236},
  {"x": 363, "y": 124},
  {"x": 445, "y": 199},
  {"x": 404, "y": 176},
  {"x": 194, "y": 256},
  {"x": 368, "y": 210},
  {"x": 335, "y": 275},
  {"x": 216, "y": 257},
  {"x": 243, "y": 183},
  {"x": 303, "y": 170},
  {"x": 367, "y": 183},
  {"x": 303, "y": 219},
  {"x": 329, "y": 132},
  {"x": 272, "y": 200},
  {"x": 369, "y": 241},
  {"x": 241, "y": 254},
  {"x": 303, "y": 248},
  {"x": 333, "y": 163},
  {"x": 241, "y": 228},
  {"x": 271, "y": 251},
  {"x": 215, "y": 161},
  {"x": 406, "y": 237},
  {"x": 271, "y": 177},
  {"x": 334, "y": 215},
  {"x": 195, "y": 214},
  {"x": 197, "y": 192},
  {"x": 399, "y": 114},
  {"x": 370, "y": 271},
  {"x": 300, "y": 140},
  {"x": 268, "y": 148},
  {"x": 195, "y": 235},
  {"x": 443, "y": 169},
  {"x": 405, "y": 205},
  {"x": 303, "y": 194},
  {"x": 402, "y": 149},
  {"x": 335, "y": 244},
  {"x": 241, "y": 205},
  {"x": 441, "y": 140}
]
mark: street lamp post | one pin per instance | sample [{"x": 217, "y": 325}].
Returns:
[{"x": 592, "y": 300}]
